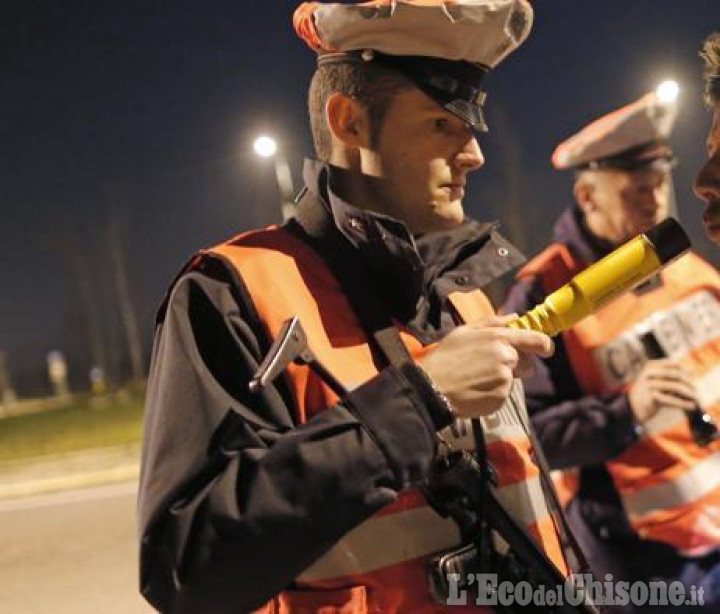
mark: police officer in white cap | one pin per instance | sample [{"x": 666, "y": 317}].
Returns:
[
  {"x": 627, "y": 404},
  {"x": 306, "y": 495}
]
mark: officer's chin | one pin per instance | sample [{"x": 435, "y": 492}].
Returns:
[
  {"x": 442, "y": 221},
  {"x": 645, "y": 224},
  {"x": 713, "y": 232},
  {"x": 453, "y": 216},
  {"x": 711, "y": 222}
]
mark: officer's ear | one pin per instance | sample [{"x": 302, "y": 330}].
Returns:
[
  {"x": 348, "y": 121},
  {"x": 584, "y": 192}
]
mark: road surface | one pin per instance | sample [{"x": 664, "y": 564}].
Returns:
[{"x": 70, "y": 553}]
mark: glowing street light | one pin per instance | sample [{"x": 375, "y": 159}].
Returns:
[
  {"x": 267, "y": 147},
  {"x": 667, "y": 91}
]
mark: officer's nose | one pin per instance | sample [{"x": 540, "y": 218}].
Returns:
[
  {"x": 470, "y": 157},
  {"x": 707, "y": 182}
]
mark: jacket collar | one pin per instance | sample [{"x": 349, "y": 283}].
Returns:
[
  {"x": 415, "y": 273},
  {"x": 572, "y": 231}
]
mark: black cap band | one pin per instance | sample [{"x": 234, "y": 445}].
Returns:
[
  {"x": 655, "y": 153},
  {"x": 453, "y": 84}
]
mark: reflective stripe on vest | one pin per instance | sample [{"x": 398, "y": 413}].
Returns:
[
  {"x": 389, "y": 551},
  {"x": 670, "y": 486}
]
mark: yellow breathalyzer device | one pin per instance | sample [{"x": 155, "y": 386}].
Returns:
[{"x": 621, "y": 270}]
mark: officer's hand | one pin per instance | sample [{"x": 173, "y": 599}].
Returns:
[
  {"x": 661, "y": 383},
  {"x": 474, "y": 366}
]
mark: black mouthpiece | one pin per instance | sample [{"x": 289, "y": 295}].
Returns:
[{"x": 669, "y": 240}]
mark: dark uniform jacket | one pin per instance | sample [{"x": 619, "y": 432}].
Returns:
[{"x": 227, "y": 519}]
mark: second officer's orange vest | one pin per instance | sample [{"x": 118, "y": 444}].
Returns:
[
  {"x": 380, "y": 565},
  {"x": 670, "y": 486}
]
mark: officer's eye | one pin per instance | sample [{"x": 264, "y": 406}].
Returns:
[{"x": 441, "y": 124}]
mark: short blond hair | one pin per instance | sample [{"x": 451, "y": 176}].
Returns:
[{"x": 710, "y": 53}]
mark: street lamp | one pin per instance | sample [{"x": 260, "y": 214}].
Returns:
[
  {"x": 667, "y": 91},
  {"x": 266, "y": 147}
]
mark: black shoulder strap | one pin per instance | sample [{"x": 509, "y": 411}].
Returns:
[{"x": 571, "y": 548}]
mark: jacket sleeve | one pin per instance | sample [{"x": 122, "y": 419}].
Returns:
[
  {"x": 236, "y": 499},
  {"x": 574, "y": 429}
]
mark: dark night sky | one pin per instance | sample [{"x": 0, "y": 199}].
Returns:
[{"x": 147, "y": 109}]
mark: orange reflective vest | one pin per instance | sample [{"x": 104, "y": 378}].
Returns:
[
  {"x": 670, "y": 486},
  {"x": 380, "y": 565}
]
